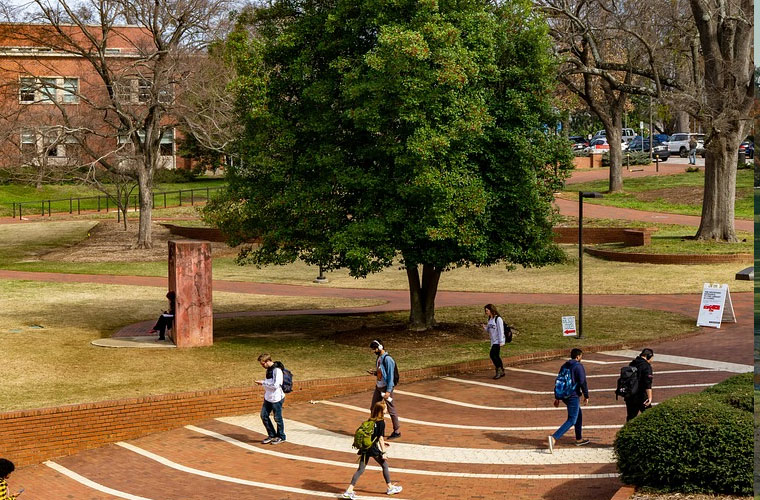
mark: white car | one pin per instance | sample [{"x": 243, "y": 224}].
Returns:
[
  {"x": 679, "y": 144},
  {"x": 628, "y": 134}
]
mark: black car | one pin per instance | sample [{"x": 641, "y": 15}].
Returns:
[
  {"x": 641, "y": 144},
  {"x": 578, "y": 141}
]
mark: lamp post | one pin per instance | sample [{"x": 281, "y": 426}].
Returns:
[{"x": 581, "y": 195}]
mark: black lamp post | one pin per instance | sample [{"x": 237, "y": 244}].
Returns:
[{"x": 581, "y": 195}]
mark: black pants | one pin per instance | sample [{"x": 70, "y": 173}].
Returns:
[
  {"x": 162, "y": 324},
  {"x": 496, "y": 356},
  {"x": 635, "y": 405}
]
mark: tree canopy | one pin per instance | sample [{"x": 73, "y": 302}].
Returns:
[{"x": 379, "y": 132}]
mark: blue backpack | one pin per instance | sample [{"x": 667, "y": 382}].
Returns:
[{"x": 564, "y": 386}]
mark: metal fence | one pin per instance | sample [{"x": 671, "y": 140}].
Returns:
[{"x": 163, "y": 199}]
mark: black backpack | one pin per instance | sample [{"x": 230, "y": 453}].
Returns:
[
  {"x": 287, "y": 377},
  {"x": 395, "y": 370},
  {"x": 507, "y": 331},
  {"x": 628, "y": 382}
]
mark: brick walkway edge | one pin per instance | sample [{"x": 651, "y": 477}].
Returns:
[{"x": 33, "y": 436}]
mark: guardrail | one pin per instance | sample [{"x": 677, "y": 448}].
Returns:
[{"x": 105, "y": 203}]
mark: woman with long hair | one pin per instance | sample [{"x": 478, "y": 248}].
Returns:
[
  {"x": 376, "y": 451},
  {"x": 495, "y": 329}
]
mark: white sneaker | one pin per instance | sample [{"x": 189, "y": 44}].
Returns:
[
  {"x": 551, "y": 444},
  {"x": 394, "y": 489},
  {"x": 348, "y": 494}
]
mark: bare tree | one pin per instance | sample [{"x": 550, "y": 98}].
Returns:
[
  {"x": 137, "y": 53},
  {"x": 725, "y": 36},
  {"x": 609, "y": 49}
]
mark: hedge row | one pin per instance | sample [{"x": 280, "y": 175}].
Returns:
[{"x": 693, "y": 442}]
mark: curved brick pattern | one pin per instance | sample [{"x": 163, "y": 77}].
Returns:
[{"x": 653, "y": 258}]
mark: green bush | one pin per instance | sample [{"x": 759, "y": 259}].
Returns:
[
  {"x": 171, "y": 176},
  {"x": 692, "y": 443},
  {"x": 635, "y": 158}
]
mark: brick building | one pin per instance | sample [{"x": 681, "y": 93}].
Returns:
[{"x": 57, "y": 110}]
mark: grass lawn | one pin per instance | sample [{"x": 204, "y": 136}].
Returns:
[
  {"x": 678, "y": 194},
  {"x": 15, "y": 193},
  {"x": 21, "y": 246},
  {"x": 42, "y": 360}
]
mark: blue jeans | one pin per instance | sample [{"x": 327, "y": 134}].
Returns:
[
  {"x": 693, "y": 156},
  {"x": 574, "y": 418},
  {"x": 266, "y": 409}
]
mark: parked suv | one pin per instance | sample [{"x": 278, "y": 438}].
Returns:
[
  {"x": 679, "y": 144},
  {"x": 642, "y": 144},
  {"x": 628, "y": 135}
]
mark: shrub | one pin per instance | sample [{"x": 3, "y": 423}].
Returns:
[
  {"x": 173, "y": 175},
  {"x": 629, "y": 158},
  {"x": 692, "y": 443},
  {"x": 736, "y": 391}
]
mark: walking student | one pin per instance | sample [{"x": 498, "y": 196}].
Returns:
[
  {"x": 495, "y": 329},
  {"x": 692, "y": 150},
  {"x": 642, "y": 398},
  {"x": 385, "y": 371},
  {"x": 273, "y": 399},
  {"x": 569, "y": 387},
  {"x": 376, "y": 451},
  {"x": 6, "y": 468}
]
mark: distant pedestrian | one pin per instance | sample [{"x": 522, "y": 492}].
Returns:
[
  {"x": 273, "y": 399},
  {"x": 693, "y": 150},
  {"x": 641, "y": 399},
  {"x": 495, "y": 329},
  {"x": 166, "y": 320},
  {"x": 6, "y": 469},
  {"x": 570, "y": 385},
  {"x": 385, "y": 372},
  {"x": 376, "y": 450}
]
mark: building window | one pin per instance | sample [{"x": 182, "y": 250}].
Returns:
[
  {"x": 167, "y": 143},
  {"x": 70, "y": 90},
  {"x": 49, "y": 90},
  {"x": 26, "y": 90},
  {"x": 28, "y": 142},
  {"x": 143, "y": 90}
]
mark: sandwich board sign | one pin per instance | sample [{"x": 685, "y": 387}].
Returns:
[
  {"x": 715, "y": 306},
  {"x": 568, "y": 326}
]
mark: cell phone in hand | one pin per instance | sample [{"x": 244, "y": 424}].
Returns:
[{"x": 19, "y": 491}]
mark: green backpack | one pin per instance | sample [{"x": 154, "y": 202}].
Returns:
[{"x": 363, "y": 436}]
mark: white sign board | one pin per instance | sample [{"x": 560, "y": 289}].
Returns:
[
  {"x": 715, "y": 306},
  {"x": 568, "y": 326}
]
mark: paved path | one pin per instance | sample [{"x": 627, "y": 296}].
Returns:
[
  {"x": 671, "y": 167},
  {"x": 594, "y": 211}
]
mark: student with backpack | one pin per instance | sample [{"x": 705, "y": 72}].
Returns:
[
  {"x": 370, "y": 443},
  {"x": 635, "y": 384},
  {"x": 386, "y": 373},
  {"x": 274, "y": 396},
  {"x": 568, "y": 388},
  {"x": 495, "y": 329}
]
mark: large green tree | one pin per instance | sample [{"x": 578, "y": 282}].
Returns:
[{"x": 387, "y": 131}]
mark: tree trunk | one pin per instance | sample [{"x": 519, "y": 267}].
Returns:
[
  {"x": 719, "y": 196},
  {"x": 422, "y": 296},
  {"x": 145, "y": 193},
  {"x": 614, "y": 138},
  {"x": 682, "y": 122}
]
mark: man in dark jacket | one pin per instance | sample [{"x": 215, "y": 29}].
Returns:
[
  {"x": 642, "y": 398},
  {"x": 573, "y": 402}
]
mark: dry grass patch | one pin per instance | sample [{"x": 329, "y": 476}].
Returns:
[{"x": 56, "y": 364}]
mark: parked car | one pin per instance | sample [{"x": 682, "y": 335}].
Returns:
[
  {"x": 679, "y": 144},
  {"x": 578, "y": 142},
  {"x": 748, "y": 148},
  {"x": 628, "y": 134},
  {"x": 598, "y": 145},
  {"x": 641, "y": 144},
  {"x": 661, "y": 137}
]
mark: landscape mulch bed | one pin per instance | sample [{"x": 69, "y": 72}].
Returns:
[{"x": 400, "y": 336}]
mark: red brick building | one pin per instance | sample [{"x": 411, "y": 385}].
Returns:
[{"x": 56, "y": 109}]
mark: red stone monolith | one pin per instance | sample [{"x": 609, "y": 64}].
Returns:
[{"x": 190, "y": 279}]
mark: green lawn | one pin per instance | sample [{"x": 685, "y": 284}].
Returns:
[
  {"x": 65, "y": 196},
  {"x": 678, "y": 194},
  {"x": 71, "y": 315}
]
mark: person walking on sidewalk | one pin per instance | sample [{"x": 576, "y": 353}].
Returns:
[
  {"x": 6, "y": 468},
  {"x": 693, "y": 150},
  {"x": 385, "y": 371},
  {"x": 575, "y": 387},
  {"x": 642, "y": 399},
  {"x": 495, "y": 329},
  {"x": 273, "y": 399},
  {"x": 376, "y": 451}
]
